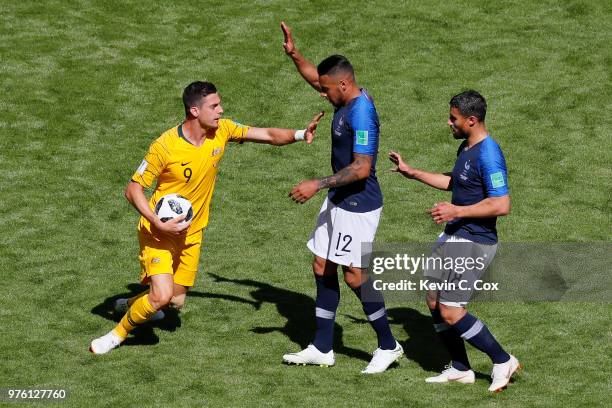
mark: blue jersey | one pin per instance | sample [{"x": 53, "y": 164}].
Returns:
[
  {"x": 355, "y": 129},
  {"x": 479, "y": 173}
]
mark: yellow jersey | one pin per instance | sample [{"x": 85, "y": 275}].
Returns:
[{"x": 182, "y": 168}]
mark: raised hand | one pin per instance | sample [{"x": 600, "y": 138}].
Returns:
[
  {"x": 312, "y": 127},
  {"x": 400, "y": 166},
  {"x": 288, "y": 44}
]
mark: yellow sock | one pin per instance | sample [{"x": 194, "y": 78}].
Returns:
[
  {"x": 131, "y": 300},
  {"x": 140, "y": 311}
]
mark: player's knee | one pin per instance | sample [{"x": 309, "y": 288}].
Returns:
[
  {"x": 160, "y": 298},
  {"x": 352, "y": 280},
  {"x": 318, "y": 266},
  {"x": 451, "y": 314},
  {"x": 431, "y": 303},
  {"x": 177, "y": 302},
  {"x": 353, "y": 277}
]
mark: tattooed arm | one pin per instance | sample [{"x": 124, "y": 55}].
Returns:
[{"x": 359, "y": 169}]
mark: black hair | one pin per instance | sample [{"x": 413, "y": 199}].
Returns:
[
  {"x": 335, "y": 64},
  {"x": 470, "y": 103},
  {"x": 195, "y": 92}
]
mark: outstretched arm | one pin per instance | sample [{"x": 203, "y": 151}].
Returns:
[
  {"x": 304, "y": 67},
  {"x": 441, "y": 181},
  {"x": 280, "y": 137},
  {"x": 359, "y": 169}
]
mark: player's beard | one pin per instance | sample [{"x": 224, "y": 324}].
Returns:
[
  {"x": 335, "y": 105},
  {"x": 458, "y": 133}
]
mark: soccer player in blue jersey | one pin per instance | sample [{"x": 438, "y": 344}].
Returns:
[
  {"x": 479, "y": 186},
  {"x": 350, "y": 213}
]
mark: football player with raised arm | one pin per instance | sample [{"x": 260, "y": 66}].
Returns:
[
  {"x": 350, "y": 213},
  {"x": 479, "y": 185},
  {"x": 183, "y": 160}
]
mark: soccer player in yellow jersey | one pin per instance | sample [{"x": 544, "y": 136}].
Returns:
[{"x": 183, "y": 160}]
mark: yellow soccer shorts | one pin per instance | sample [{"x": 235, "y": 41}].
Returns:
[{"x": 178, "y": 256}]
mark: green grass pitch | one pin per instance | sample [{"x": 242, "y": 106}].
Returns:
[{"x": 87, "y": 85}]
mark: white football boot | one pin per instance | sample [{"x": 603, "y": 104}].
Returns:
[
  {"x": 450, "y": 373},
  {"x": 121, "y": 306},
  {"x": 106, "y": 343},
  {"x": 382, "y": 359},
  {"x": 502, "y": 373},
  {"x": 311, "y": 355}
]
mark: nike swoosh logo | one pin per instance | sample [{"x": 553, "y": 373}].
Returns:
[
  {"x": 337, "y": 254},
  {"x": 184, "y": 164}
]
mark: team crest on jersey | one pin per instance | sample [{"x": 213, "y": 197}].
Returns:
[
  {"x": 464, "y": 173},
  {"x": 216, "y": 151},
  {"x": 362, "y": 137}
]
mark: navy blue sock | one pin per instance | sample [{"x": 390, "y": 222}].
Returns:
[
  {"x": 478, "y": 335},
  {"x": 374, "y": 307},
  {"x": 452, "y": 341},
  {"x": 328, "y": 297}
]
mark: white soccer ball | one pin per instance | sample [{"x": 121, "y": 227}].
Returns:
[{"x": 173, "y": 205}]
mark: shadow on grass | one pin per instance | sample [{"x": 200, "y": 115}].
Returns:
[
  {"x": 144, "y": 334},
  {"x": 422, "y": 345},
  {"x": 141, "y": 335},
  {"x": 298, "y": 309}
]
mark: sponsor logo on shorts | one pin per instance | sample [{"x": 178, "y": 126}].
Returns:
[{"x": 155, "y": 260}]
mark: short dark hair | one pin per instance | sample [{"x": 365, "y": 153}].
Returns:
[
  {"x": 470, "y": 103},
  {"x": 195, "y": 92},
  {"x": 335, "y": 64}
]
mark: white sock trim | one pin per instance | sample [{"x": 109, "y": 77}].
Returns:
[
  {"x": 474, "y": 330},
  {"x": 377, "y": 315},
  {"x": 324, "y": 314}
]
